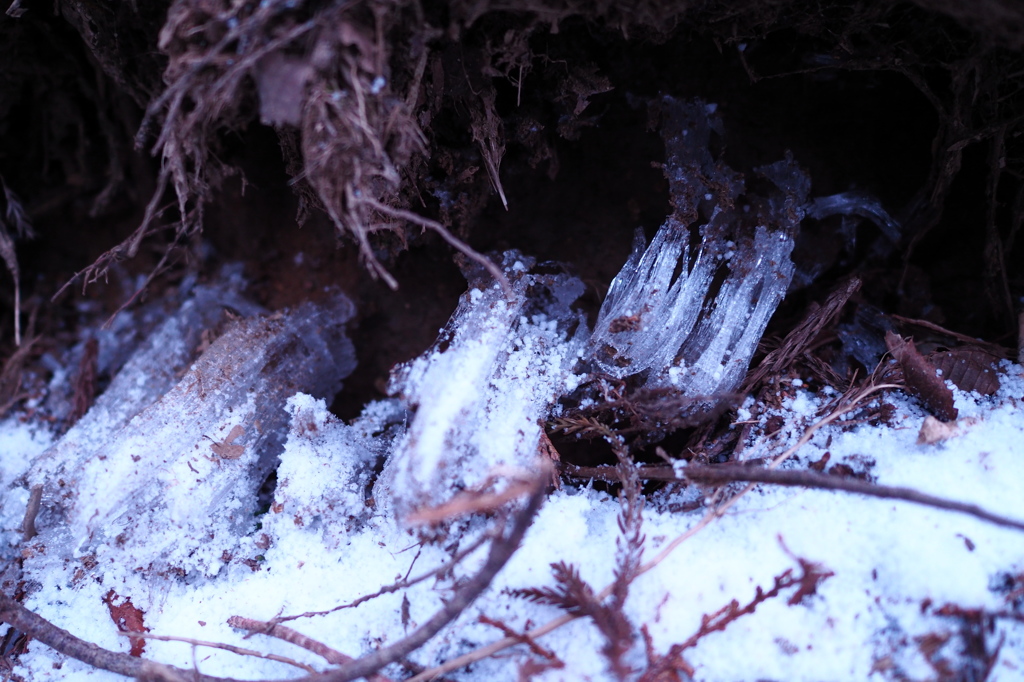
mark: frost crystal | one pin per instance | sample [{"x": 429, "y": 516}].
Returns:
[
  {"x": 479, "y": 393},
  {"x": 856, "y": 204},
  {"x": 693, "y": 320},
  {"x": 171, "y": 457}
]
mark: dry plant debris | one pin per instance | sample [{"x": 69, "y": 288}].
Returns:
[{"x": 921, "y": 377}]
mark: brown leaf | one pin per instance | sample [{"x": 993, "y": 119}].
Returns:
[
  {"x": 547, "y": 450},
  {"x": 969, "y": 368},
  {"x": 921, "y": 378},
  {"x": 226, "y": 449},
  {"x": 127, "y": 618}
]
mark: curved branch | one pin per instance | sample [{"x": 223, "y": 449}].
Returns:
[
  {"x": 722, "y": 474},
  {"x": 42, "y": 630},
  {"x": 501, "y": 552},
  {"x": 502, "y": 549}
]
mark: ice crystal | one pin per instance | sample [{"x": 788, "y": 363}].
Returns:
[
  {"x": 173, "y": 453},
  {"x": 691, "y": 318},
  {"x": 495, "y": 371},
  {"x": 856, "y": 204}
]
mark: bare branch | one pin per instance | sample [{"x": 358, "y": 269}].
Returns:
[
  {"x": 42, "y": 630},
  {"x": 501, "y": 552},
  {"x": 401, "y": 584},
  {"x": 217, "y": 645},
  {"x": 295, "y": 637},
  {"x": 725, "y": 473},
  {"x": 812, "y": 479}
]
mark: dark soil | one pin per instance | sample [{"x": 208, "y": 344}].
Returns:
[{"x": 919, "y": 104}]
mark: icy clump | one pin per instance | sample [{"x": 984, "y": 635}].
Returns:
[
  {"x": 495, "y": 370},
  {"x": 857, "y": 204},
  {"x": 121, "y": 337},
  {"x": 167, "y": 464},
  {"x": 692, "y": 321},
  {"x": 327, "y": 468}
]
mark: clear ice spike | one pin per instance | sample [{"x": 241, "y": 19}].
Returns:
[
  {"x": 692, "y": 321},
  {"x": 479, "y": 396},
  {"x": 172, "y": 456}
]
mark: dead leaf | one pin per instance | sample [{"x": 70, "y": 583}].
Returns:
[
  {"x": 969, "y": 368},
  {"x": 226, "y": 448},
  {"x": 921, "y": 379},
  {"x": 933, "y": 431},
  {"x": 127, "y": 618}
]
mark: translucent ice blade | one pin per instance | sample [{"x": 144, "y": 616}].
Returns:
[
  {"x": 480, "y": 393},
  {"x": 858, "y": 204},
  {"x": 694, "y": 324},
  {"x": 185, "y": 468}
]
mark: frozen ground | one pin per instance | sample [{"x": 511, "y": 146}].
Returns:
[
  {"x": 893, "y": 565},
  {"x": 152, "y": 514}
]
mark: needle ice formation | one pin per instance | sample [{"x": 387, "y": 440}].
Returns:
[
  {"x": 689, "y": 309},
  {"x": 167, "y": 464},
  {"x": 691, "y": 317},
  {"x": 480, "y": 393}
]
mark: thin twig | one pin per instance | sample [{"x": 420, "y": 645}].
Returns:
[
  {"x": 523, "y": 639},
  {"x": 241, "y": 651},
  {"x": 291, "y": 636},
  {"x": 28, "y": 524},
  {"x": 400, "y": 585},
  {"x": 812, "y": 479},
  {"x": 501, "y": 552},
  {"x": 45, "y": 632},
  {"x": 724, "y": 473}
]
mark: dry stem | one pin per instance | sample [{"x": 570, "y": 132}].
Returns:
[
  {"x": 715, "y": 513},
  {"x": 401, "y": 584},
  {"x": 218, "y": 645}
]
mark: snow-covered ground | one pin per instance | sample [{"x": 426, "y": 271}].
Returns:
[
  {"x": 893, "y": 565},
  {"x": 152, "y": 517}
]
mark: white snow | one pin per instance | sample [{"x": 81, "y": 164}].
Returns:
[
  {"x": 153, "y": 495},
  {"x": 327, "y": 541}
]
